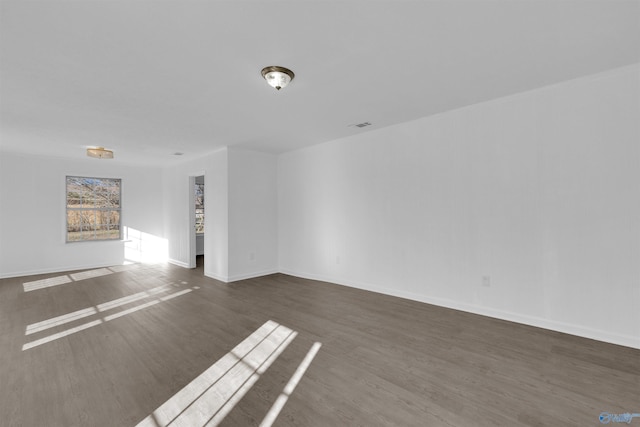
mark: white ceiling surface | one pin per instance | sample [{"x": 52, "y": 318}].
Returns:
[{"x": 151, "y": 78}]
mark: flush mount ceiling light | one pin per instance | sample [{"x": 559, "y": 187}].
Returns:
[
  {"x": 277, "y": 77},
  {"x": 99, "y": 153}
]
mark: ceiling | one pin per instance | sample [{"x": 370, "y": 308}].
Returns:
[{"x": 152, "y": 78}]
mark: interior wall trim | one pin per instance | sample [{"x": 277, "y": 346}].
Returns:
[
  {"x": 237, "y": 277},
  {"x": 178, "y": 263},
  {"x": 567, "y": 328},
  {"x": 65, "y": 269}
]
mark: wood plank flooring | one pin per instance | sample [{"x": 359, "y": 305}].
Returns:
[{"x": 110, "y": 350}]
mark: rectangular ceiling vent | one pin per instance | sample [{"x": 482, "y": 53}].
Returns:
[{"x": 361, "y": 125}]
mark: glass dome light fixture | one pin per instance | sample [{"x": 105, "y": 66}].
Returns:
[
  {"x": 277, "y": 77},
  {"x": 99, "y": 153}
]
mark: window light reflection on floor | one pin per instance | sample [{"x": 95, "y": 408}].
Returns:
[
  {"x": 291, "y": 386},
  {"x": 209, "y": 398},
  {"x": 76, "y": 277},
  {"x": 90, "y": 311},
  {"x": 90, "y": 274},
  {"x": 46, "y": 283},
  {"x": 97, "y": 310},
  {"x": 60, "y": 320},
  {"x": 61, "y": 280}
]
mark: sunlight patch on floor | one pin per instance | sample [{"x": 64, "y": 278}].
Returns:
[
  {"x": 132, "y": 298},
  {"x": 59, "y": 335},
  {"x": 290, "y": 387},
  {"x": 76, "y": 277},
  {"x": 46, "y": 283},
  {"x": 90, "y": 274},
  {"x": 60, "y": 320},
  {"x": 209, "y": 398},
  {"x": 98, "y": 310}
]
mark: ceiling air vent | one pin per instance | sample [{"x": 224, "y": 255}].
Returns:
[{"x": 361, "y": 125}]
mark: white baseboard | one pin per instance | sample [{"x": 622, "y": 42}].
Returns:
[
  {"x": 572, "y": 329},
  {"x": 229, "y": 279},
  {"x": 217, "y": 277},
  {"x": 252, "y": 275},
  {"x": 178, "y": 263},
  {"x": 567, "y": 328},
  {"x": 53, "y": 270}
]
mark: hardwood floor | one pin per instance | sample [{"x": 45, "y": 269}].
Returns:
[{"x": 109, "y": 348}]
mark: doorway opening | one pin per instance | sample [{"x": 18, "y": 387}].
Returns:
[{"x": 197, "y": 221}]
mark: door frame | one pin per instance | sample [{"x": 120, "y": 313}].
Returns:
[{"x": 192, "y": 218}]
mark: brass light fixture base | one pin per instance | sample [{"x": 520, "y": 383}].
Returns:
[{"x": 99, "y": 153}]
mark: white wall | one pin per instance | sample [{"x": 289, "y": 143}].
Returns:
[
  {"x": 33, "y": 216},
  {"x": 240, "y": 213},
  {"x": 177, "y": 211},
  {"x": 539, "y": 191},
  {"x": 253, "y": 221},
  {"x": 216, "y": 221}
]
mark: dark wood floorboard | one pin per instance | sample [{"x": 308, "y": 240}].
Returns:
[{"x": 384, "y": 361}]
